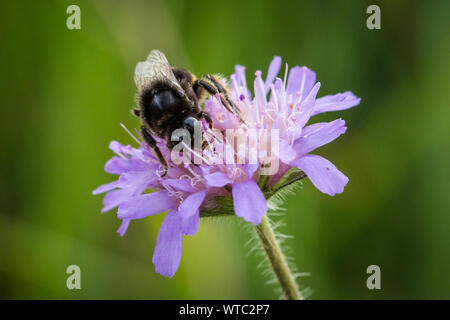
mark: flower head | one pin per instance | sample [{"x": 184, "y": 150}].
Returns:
[{"x": 228, "y": 171}]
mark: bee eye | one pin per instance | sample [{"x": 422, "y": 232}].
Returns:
[
  {"x": 162, "y": 102},
  {"x": 189, "y": 123}
]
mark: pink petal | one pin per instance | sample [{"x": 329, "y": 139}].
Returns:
[
  {"x": 307, "y": 106},
  {"x": 274, "y": 68},
  {"x": 340, "y": 101},
  {"x": 239, "y": 72},
  {"x": 168, "y": 249},
  {"x": 260, "y": 94},
  {"x": 118, "y": 165},
  {"x": 249, "y": 202},
  {"x": 145, "y": 205},
  {"x": 136, "y": 179},
  {"x": 117, "y": 147},
  {"x": 217, "y": 179},
  {"x": 123, "y": 227},
  {"x": 106, "y": 187},
  {"x": 322, "y": 173},
  {"x": 114, "y": 198},
  {"x": 286, "y": 153},
  {"x": 180, "y": 184},
  {"x": 319, "y": 134},
  {"x": 301, "y": 80},
  {"x": 189, "y": 225},
  {"x": 191, "y": 204}
]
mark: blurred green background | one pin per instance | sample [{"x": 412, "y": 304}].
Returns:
[{"x": 64, "y": 93}]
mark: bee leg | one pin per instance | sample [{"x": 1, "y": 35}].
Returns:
[
  {"x": 152, "y": 143},
  {"x": 207, "y": 85},
  {"x": 205, "y": 115},
  {"x": 222, "y": 90}
]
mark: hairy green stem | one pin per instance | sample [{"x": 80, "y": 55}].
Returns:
[
  {"x": 277, "y": 260},
  {"x": 274, "y": 254}
]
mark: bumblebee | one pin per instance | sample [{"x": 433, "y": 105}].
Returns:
[{"x": 169, "y": 98}]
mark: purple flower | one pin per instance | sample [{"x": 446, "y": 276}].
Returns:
[
  {"x": 290, "y": 106},
  {"x": 187, "y": 189}
]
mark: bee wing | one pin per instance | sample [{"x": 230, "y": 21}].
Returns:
[{"x": 155, "y": 68}]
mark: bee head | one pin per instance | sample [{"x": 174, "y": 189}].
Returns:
[
  {"x": 160, "y": 104},
  {"x": 188, "y": 126},
  {"x": 190, "y": 123}
]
